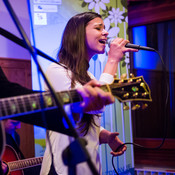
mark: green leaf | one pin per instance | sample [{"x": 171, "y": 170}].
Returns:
[
  {"x": 123, "y": 64},
  {"x": 124, "y": 3},
  {"x": 83, "y": 4}
]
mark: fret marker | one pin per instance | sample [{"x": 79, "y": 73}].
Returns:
[
  {"x": 34, "y": 105},
  {"x": 13, "y": 108},
  {"x": 48, "y": 101},
  {"x": 65, "y": 97}
]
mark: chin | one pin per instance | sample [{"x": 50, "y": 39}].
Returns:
[{"x": 101, "y": 52}]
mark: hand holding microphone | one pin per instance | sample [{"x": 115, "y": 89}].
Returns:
[{"x": 118, "y": 49}]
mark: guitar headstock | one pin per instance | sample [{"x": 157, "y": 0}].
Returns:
[{"x": 131, "y": 89}]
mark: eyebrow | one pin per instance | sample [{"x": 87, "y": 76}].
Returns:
[{"x": 99, "y": 24}]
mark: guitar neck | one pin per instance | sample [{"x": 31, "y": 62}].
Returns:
[
  {"x": 32, "y": 102},
  {"x": 26, "y": 163},
  {"x": 132, "y": 89}
]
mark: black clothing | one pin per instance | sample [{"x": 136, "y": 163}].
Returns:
[{"x": 9, "y": 89}]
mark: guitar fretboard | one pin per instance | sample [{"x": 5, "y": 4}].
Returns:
[
  {"x": 35, "y": 102},
  {"x": 27, "y": 163}
]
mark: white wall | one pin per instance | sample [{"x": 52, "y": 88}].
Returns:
[{"x": 9, "y": 49}]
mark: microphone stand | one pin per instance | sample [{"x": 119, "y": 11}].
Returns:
[{"x": 79, "y": 143}]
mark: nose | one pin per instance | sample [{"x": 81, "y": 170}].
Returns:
[{"x": 104, "y": 32}]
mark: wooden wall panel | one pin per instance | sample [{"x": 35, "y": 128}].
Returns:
[
  {"x": 19, "y": 71},
  {"x": 150, "y": 122},
  {"x": 163, "y": 157},
  {"x": 151, "y": 11}
]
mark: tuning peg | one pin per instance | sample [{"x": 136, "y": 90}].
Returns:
[
  {"x": 131, "y": 75},
  {"x": 125, "y": 107},
  {"x": 139, "y": 80},
  {"x": 144, "y": 106},
  {"x": 135, "y": 94},
  {"x": 121, "y": 81},
  {"x": 135, "y": 107},
  {"x": 123, "y": 76},
  {"x": 130, "y": 80},
  {"x": 126, "y": 95},
  {"x": 144, "y": 86},
  {"x": 144, "y": 94}
]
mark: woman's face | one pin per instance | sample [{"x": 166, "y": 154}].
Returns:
[{"x": 96, "y": 37}]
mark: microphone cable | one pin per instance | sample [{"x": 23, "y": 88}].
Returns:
[{"x": 165, "y": 120}]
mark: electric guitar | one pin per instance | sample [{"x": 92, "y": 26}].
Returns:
[
  {"x": 125, "y": 90},
  {"x": 15, "y": 165}
]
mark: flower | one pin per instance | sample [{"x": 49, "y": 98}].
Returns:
[
  {"x": 97, "y": 4},
  {"x": 127, "y": 60},
  {"x": 113, "y": 31},
  {"x": 116, "y": 16}
]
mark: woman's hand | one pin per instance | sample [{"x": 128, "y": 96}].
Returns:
[
  {"x": 114, "y": 142},
  {"x": 94, "y": 98},
  {"x": 117, "y": 49},
  {"x": 115, "y": 54},
  {"x": 4, "y": 167},
  {"x": 111, "y": 138}
]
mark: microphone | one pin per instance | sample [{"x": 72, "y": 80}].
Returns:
[{"x": 134, "y": 46}]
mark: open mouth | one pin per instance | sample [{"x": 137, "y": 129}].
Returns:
[{"x": 102, "y": 41}]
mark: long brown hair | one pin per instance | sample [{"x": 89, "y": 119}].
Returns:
[{"x": 73, "y": 54}]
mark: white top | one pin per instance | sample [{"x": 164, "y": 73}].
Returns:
[{"x": 60, "y": 80}]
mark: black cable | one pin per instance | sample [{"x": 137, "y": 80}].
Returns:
[{"x": 165, "y": 126}]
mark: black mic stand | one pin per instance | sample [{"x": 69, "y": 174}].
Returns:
[{"x": 78, "y": 143}]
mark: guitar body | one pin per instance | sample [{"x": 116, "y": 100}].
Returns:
[{"x": 10, "y": 155}]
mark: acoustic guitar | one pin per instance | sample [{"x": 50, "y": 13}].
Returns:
[
  {"x": 125, "y": 90},
  {"x": 15, "y": 165}
]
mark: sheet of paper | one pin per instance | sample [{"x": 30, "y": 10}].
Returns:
[
  {"x": 48, "y": 1},
  {"x": 40, "y": 18},
  {"x": 45, "y": 8}
]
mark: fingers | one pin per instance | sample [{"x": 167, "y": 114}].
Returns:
[
  {"x": 114, "y": 135},
  {"x": 107, "y": 97},
  {"x": 119, "y": 41},
  {"x": 122, "y": 42},
  {"x": 4, "y": 167},
  {"x": 120, "y": 151},
  {"x": 94, "y": 98},
  {"x": 88, "y": 91},
  {"x": 93, "y": 83}
]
